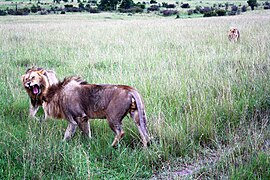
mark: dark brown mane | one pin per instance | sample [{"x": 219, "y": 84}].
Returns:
[
  {"x": 73, "y": 78},
  {"x": 52, "y": 90},
  {"x": 33, "y": 69}
]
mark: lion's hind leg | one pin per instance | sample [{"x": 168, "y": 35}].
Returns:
[
  {"x": 119, "y": 132},
  {"x": 135, "y": 116},
  {"x": 84, "y": 126}
]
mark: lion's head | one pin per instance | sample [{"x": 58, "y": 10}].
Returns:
[{"x": 35, "y": 81}]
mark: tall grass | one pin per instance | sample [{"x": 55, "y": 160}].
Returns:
[{"x": 201, "y": 93}]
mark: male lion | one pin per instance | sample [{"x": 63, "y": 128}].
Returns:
[
  {"x": 234, "y": 34},
  {"x": 76, "y": 101},
  {"x": 31, "y": 82}
]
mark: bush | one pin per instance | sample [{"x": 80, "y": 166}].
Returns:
[
  {"x": 252, "y": 3},
  {"x": 266, "y": 5},
  {"x": 126, "y": 4},
  {"x": 164, "y": 4},
  {"x": 142, "y": 6},
  {"x": 153, "y": 8},
  {"x": 234, "y": 8},
  {"x": 221, "y": 12},
  {"x": 170, "y": 6},
  {"x": 3, "y": 13},
  {"x": 205, "y": 10},
  {"x": 153, "y": 2},
  {"x": 232, "y": 13},
  {"x": 169, "y": 12},
  {"x": 68, "y": 5},
  {"x": 24, "y": 11},
  {"x": 70, "y": 8},
  {"x": 34, "y": 9},
  {"x": 210, "y": 14},
  {"x": 185, "y": 5},
  {"x": 244, "y": 8},
  {"x": 88, "y": 8},
  {"x": 131, "y": 10},
  {"x": 94, "y": 10},
  {"x": 43, "y": 12},
  {"x": 190, "y": 12},
  {"x": 81, "y": 6}
]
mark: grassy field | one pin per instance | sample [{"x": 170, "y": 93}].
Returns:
[{"x": 207, "y": 100}]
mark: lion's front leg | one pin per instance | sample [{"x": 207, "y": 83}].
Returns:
[
  {"x": 32, "y": 111},
  {"x": 70, "y": 131}
]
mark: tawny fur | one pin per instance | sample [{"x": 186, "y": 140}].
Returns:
[
  {"x": 234, "y": 34},
  {"x": 32, "y": 78},
  {"x": 76, "y": 101}
]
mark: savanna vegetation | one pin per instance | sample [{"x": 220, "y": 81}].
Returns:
[
  {"x": 189, "y": 9},
  {"x": 207, "y": 100}
]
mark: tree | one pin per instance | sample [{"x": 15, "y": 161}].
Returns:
[
  {"x": 252, "y": 3},
  {"x": 126, "y": 4},
  {"x": 108, "y": 5}
]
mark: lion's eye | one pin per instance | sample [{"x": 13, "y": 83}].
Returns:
[{"x": 32, "y": 77}]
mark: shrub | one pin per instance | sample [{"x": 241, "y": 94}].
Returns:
[
  {"x": 198, "y": 8},
  {"x": 34, "y": 9},
  {"x": 126, "y": 4},
  {"x": 205, "y": 10},
  {"x": 131, "y": 10},
  {"x": 210, "y": 14},
  {"x": 153, "y": 8},
  {"x": 266, "y": 5},
  {"x": 153, "y": 2},
  {"x": 94, "y": 10},
  {"x": 185, "y": 5},
  {"x": 190, "y": 12},
  {"x": 107, "y": 5},
  {"x": 234, "y": 8},
  {"x": 252, "y": 3},
  {"x": 43, "y": 12},
  {"x": 3, "y": 13},
  {"x": 169, "y": 12},
  {"x": 232, "y": 13},
  {"x": 164, "y": 4},
  {"x": 221, "y": 12},
  {"x": 140, "y": 5},
  {"x": 81, "y": 6},
  {"x": 244, "y": 8},
  {"x": 170, "y": 6},
  {"x": 24, "y": 11}
]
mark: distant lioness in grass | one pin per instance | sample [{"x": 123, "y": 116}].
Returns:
[
  {"x": 234, "y": 34},
  {"x": 76, "y": 101},
  {"x": 31, "y": 82}
]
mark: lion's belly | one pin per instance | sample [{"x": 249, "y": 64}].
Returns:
[{"x": 96, "y": 114}]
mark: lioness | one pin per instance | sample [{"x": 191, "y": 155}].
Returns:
[
  {"x": 76, "y": 101},
  {"x": 234, "y": 34},
  {"x": 31, "y": 82}
]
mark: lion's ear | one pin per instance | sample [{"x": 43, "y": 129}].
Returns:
[
  {"x": 22, "y": 77},
  {"x": 42, "y": 72}
]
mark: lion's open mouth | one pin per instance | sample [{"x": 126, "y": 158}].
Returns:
[{"x": 35, "y": 89}]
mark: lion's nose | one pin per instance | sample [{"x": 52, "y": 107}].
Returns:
[{"x": 27, "y": 84}]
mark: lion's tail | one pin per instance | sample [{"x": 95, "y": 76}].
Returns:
[{"x": 141, "y": 114}]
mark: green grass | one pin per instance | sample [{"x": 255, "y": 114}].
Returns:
[{"x": 204, "y": 96}]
